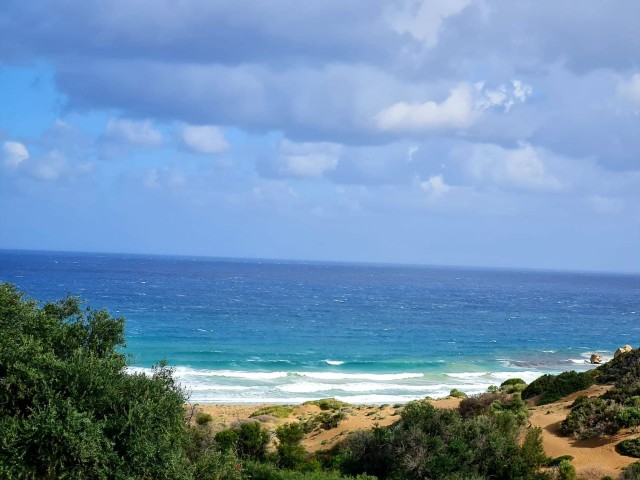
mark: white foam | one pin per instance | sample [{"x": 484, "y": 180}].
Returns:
[
  {"x": 311, "y": 387},
  {"x": 333, "y": 362},
  {"x": 467, "y": 374},
  {"x": 359, "y": 376}
]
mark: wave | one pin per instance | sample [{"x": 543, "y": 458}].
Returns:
[
  {"x": 333, "y": 362},
  {"x": 182, "y": 372},
  {"x": 310, "y": 387}
]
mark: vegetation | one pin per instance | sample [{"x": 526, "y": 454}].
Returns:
[
  {"x": 552, "y": 388},
  {"x": 327, "y": 404},
  {"x": 616, "y": 409},
  {"x": 67, "y": 405},
  {"x": 202, "y": 418},
  {"x": 442, "y": 444},
  {"x": 278, "y": 411},
  {"x": 632, "y": 472},
  {"x": 630, "y": 448},
  {"x": 457, "y": 393}
]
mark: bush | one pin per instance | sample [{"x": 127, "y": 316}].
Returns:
[
  {"x": 457, "y": 393},
  {"x": 512, "y": 381},
  {"x": 566, "y": 471},
  {"x": 594, "y": 417},
  {"x": 278, "y": 411},
  {"x": 290, "y": 453},
  {"x": 479, "y": 404},
  {"x": 493, "y": 404},
  {"x": 629, "y": 448},
  {"x": 631, "y": 472},
  {"x": 69, "y": 408},
  {"x": 536, "y": 387},
  {"x": 328, "y": 420},
  {"x": 554, "y": 387},
  {"x": 618, "y": 367},
  {"x": 327, "y": 404},
  {"x": 441, "y": 444},
  {"x": 203, "y": 418}
]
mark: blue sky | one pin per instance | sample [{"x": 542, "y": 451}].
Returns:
[{"x": 457, "y": 132}]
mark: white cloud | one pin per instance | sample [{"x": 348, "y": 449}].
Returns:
[
  {"x": 309, "y": 160},
  {"x": 206, "y": 139},
  {"x": 630, "y": 89},
  {"x": 521, "y": 168},
  {"x": 423, "y": 19},
  {"x": 141, "y": 134},
  {"x": 462, "y": 108},
  {"x": 456, "y": 111},
  {"x": 502, "y": 96},
  {"x": 14, "y": 154},
  {"x": 435, "y": 186}
]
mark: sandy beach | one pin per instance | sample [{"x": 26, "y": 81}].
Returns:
[{"x": 593, "y": 459}]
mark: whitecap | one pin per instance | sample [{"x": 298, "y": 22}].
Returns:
[{"x": 333, "y": 362}]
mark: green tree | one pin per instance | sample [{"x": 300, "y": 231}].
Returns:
[{"x": 68, "y": 407}]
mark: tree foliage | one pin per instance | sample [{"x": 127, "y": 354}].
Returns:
[{"x": 68, "y": 407}]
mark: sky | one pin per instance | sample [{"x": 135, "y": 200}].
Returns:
[{"x": 444, "y": 132}]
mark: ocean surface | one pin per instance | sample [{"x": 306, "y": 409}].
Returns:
[{"x": 249, "y": 331}]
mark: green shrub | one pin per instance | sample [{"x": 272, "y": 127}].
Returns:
[
  {"x": 494, "y": 403},
  {"x": 594, "y": 417},
  {"x": 566, "y": 471},
  {"x": 457, "y": 393},
  {"x": 226, "y": 440},
  {"x": 327, "y": 404},
  {"x": 618, "y": 367},
  {"x": 278, "y": 411},
  {"x": 203, "y": 418},
  {"x": 327, "y": 420},
  {"x": 290, "y": 453},
  {"x": 252, "y": 441},
  {"x": 441, "y": 444},
  {"x": 555, "y": 387},
  {"x": 629, "y": 448},
  {"x": 631, "y": 472},
  {"x": 536, "y": 387},
  {"x": 554, "y": 462},
  {"x": 512, "y": 381},
  {"x": 69, "y": 408}
]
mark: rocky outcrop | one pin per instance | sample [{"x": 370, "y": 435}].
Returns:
[
  {"x": 595, "y": 358},
  {"x": 621, "y": 350}
]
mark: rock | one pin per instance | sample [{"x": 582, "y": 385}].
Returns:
[
  {"x": 595, "y": 358},
  {"x": 621, "y": 350}
]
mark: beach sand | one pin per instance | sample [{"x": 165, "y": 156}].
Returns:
[{"x": 593, "y": 459}]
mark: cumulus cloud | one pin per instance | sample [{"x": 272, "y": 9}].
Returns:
[
  {"x": 503, "y": 96},
  {"x": 205, "y": 139},
  {"x": 134, "y": 133},
  {"x": 519, "y": 168},
  {"x": 435, "y": 186},
  {"x": 14, "y": 153},
  {"x": 456, "y": 111},
  {"x": 462, "y": 108},
  {"x": 629, "y": 89}
]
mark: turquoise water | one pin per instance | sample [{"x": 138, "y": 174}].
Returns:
[{"x": 264, "y": 331}]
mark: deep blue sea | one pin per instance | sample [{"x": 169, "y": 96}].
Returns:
[{"x": 250, "y": 331}]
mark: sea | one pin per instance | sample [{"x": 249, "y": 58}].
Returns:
[{"x": 265, "y": 331}]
